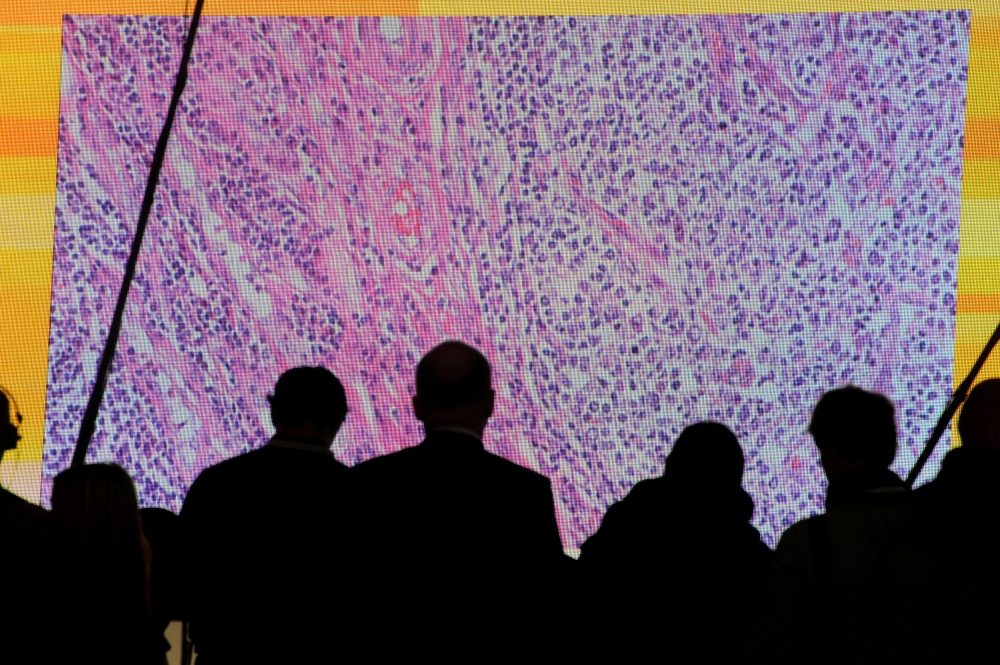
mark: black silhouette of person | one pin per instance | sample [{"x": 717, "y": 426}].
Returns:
[
  {"x": 461, "y": 550},
  {"x": 677, "y": 561},
  {"x": 264, "y": 535},
  {"x": 162, "y": 530},
  {"x": 108, "y": 609},
  {"x": 962, "y": 505},
  {"x": 858, "y": 584},
  {"x": 30, "y": 558}
]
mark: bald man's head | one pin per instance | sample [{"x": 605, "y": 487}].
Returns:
[
  {"x": 979, "y": 424},
  {"x": 454, "y": 385}
]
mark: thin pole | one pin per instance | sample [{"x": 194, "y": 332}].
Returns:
[
  {"x": 104, "y": 368},
  {"x": 956, "y": 400}
]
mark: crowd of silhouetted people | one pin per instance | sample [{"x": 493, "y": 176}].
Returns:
[{"x": 447, "y": 552}]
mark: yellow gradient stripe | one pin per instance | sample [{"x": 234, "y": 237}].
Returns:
[
  {"x": 30, "y": 38},
  {"x": 979, "y": 179},
  {"x": 26, "y": 222},
  {"x": 978, "y": 274},
  {"x": 980, "y": 228},
  {"x": 20, "y": 176},
  {"x": 29, "y": 82}
]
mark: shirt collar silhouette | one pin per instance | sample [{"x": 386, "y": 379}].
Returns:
[
  {"x": 863, "y": 484},
  {"x": 292, "y": 442},
  {"x": 457, "y": 429}
]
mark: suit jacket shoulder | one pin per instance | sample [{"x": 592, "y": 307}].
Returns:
[
  {"x": 443, "y": 498},
  {"x": 266, "y": 473},
  {"x": 505, "y": 466},
  {"x": 410, "y": 465},
  {"x": 392, "y": 463},
  {"x": 222, "y": 471}
]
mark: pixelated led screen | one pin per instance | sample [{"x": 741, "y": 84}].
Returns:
[{"x": 642, "y": 221}]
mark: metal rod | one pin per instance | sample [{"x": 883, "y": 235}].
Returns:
[
  {"x": 104, "y": 368},
  {"x": 956, "y": 400}
]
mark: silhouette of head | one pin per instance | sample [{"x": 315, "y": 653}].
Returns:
[
  {"x": 10, "y": 420},
  {"x": 854, "y": 428},
  {"x": 706, "y": 454},
  {"x": 454, "y": 387},
  {"x": 979, "y": 423},
  {"x": 310, "y": 402},
  {"x": 96, "y": 507}
]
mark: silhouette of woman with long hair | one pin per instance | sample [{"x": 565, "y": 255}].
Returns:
[{"x": 109, "y": 562}]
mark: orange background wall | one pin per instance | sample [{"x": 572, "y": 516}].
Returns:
[{"x": 30, "y": 55}]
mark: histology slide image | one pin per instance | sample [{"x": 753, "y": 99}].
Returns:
[{"x": 642, "y": 222}]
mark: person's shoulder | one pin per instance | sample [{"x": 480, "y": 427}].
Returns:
[
  {"x": 644, "y": 490},
  {"x": 642, "y": 503},
  {"x": 965, "y": 471},
  {"x": 503, "y": 467},
  {"x": 272, "y": 457},
  {"x": 227, "y": 467},
  {"x": 796, "y": 537},
  {"x": 793, "y": 559},
  {"x": 754, "y": 543},
  {"x": 388, "y": 463},
  {"x": 646, "y": 495},
  {"x": 267, "y": 461},
  {"x": 25, "y": 523},
  {"x": 219, "y": 478},
  {"x": 10, "y": 501},
  {"x": 390, "y": 475},
  {"x": 21, "y": 509}
]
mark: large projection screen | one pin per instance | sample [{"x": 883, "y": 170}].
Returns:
[{"x": 643, "y": 221}]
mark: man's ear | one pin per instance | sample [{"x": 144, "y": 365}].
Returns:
[
  {"x": 418, "y": 408},
  {"x": 993, "y": 435},
  {"x": 335, "y": 428},
  {"x": 491, "y": 400}
]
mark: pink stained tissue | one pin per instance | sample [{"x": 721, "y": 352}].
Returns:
[{"x": 642, "y": 222}]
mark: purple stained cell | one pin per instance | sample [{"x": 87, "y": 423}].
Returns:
[{"x": 642, "y": 221}]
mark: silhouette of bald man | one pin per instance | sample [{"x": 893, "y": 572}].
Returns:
[{"x": 462, "y": 546}]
